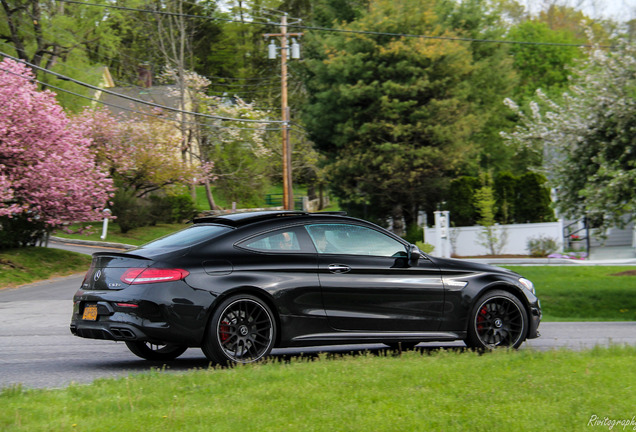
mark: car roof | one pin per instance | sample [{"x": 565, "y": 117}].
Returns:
[{"x": 246, "y": 218}]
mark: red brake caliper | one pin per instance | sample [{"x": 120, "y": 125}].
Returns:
[
  {"x": 481, "y": 317},
  {"x": 224, "y": 331}
]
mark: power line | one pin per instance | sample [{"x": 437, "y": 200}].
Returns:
[
  {"x": 345, "y": 31},
  {"x": 132, "y": 110},
  {"x": 155, "y": 105},
  {"x": 235, "y": 88},
  {"x": 265, "y": 82}
]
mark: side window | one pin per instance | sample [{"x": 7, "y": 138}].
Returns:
[
  {"x": 345, "y": 239},
  {"x": 278, "y": 241}
]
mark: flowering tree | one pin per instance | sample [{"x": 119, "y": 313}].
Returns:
[
  {"x": 48, "y": 174},
  {"x": 588, "y": 139},
  {"x": 142, "y": 154},
  {"x": 243, "y": 152},
  {"x": 240, "y": 148}
]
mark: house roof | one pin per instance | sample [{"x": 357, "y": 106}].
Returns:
[{"x": 166, "y": 95}]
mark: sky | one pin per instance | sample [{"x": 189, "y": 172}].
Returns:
[{"x": 619, "y": 10}]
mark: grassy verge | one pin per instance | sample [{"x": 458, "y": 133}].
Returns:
[
  {"x": 441, "y": 391},
  {"x": 584, "y": 293},
  {"x": 137, "y": 236},
  {"x": 26, "y": 265}
]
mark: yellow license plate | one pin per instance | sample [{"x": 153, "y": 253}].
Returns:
[{"x": 90, "y": 313}]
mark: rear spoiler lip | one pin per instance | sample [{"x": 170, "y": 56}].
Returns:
[
  {"x": 144, "y": 254},
  {"x": 120, "y": 255}
]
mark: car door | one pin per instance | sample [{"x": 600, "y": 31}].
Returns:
[
  {"x": 368, "y": 285},
  {"x": 283, "y": 263}
]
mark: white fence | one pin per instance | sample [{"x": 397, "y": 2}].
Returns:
[{"x": 466, "y": 241}]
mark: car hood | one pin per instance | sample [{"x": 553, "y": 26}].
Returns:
[{"x": 452, "y": 264}]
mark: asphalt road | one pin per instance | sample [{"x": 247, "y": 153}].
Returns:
[{"x": 38, "y": 350}]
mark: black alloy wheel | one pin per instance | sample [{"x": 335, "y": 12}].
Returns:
[
  {"x": 242, "y": 330},
  {"x": 150, "y": 351},
  {"x": 498, "y": 320}
]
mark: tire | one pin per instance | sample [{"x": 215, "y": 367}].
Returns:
[
  {"x": 242, "y": 330},
  {"x": 149, "y": 351},
  {"x": 498, "y": 320}
]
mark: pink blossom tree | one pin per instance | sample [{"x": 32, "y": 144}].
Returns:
[
  {"x": 48, "y": 173},
  {"x": 142, "y": 153}
]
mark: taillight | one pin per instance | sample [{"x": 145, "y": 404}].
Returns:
[{"x": 135, "y": 276}]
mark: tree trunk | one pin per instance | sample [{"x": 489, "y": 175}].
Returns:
[
  {"x": 208, "y": 194},
  {"x": 398, "y": 219}
]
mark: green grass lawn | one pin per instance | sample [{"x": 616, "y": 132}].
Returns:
[
  {"x": 584, "y": 293},
  {"x": 223, "y": 202},
  {"x": 26, "y": 265},
  {"x": 439, "y": 391}
]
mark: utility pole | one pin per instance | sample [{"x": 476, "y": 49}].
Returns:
[{"x": 288, "y": 194}]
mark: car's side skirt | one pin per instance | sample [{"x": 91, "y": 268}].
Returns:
[{"x": 379, "y": 336}]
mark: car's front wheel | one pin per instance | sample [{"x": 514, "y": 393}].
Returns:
[
  {"x": 150, "y": 351},
  {"x": 498, "y": 319},
  {"x": 242, "y": 330}
]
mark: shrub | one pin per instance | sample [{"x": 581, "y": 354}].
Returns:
[
  {"x": 130, "y": 211},
  {"x": 183, "y": 208},
  {"x": 160, "y": 210},
  {"x": 172, "y": 208},
  {"x": 533, "y": 199},
  {"x": 21, "y": 230},
  {"x": 425, "y": 247},
  {"x": 414, "y": 233},
  {"x": 461, "y": 200},
  {"x": 524, "y": 199},
  {"x": 542, "y": 246}
]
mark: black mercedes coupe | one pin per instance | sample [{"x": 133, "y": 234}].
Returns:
[{"x": 241, "y": 284}]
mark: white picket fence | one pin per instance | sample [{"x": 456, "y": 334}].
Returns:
[{"x": 465, "y": 241}]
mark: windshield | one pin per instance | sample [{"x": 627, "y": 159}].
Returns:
[{"x": 187, "y": 237}]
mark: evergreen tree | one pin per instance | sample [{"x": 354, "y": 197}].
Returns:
[{"x": 392, "y": 113}]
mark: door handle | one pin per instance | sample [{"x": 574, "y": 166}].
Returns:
[{"x": 339, "y": 268}]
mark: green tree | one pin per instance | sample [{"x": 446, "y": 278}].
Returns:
[
  {"x": 543, "y": 66},
  {"x": 491, "y": 236},
  {"x": 460, "y": 202},
  {"x": 242, "y": 152},
  {"x": 493, "y": 78},
  {"x": 392, "y": 113},
  {"x": 533, "y": 202},
  {"x": 505, "y": 187},
  {"x": 70, "y": 39}
]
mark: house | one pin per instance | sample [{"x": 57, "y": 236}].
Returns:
[{"x": 147, "y": 99}]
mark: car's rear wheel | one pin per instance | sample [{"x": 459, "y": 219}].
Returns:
[
  {"x": 242, "y": 330},
  {"x": 498, "y": 319},
  {"x": 150, "y": 351}
]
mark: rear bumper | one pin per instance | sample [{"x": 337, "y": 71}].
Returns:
[
  {"x": 114, "y": 333},
  {"x": 141, "y": 321}
]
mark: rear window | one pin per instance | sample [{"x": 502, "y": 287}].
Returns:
[{"x": 187, "y": 237}]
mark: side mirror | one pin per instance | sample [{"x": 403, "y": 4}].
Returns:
[{"x": 414, "y": 255}]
